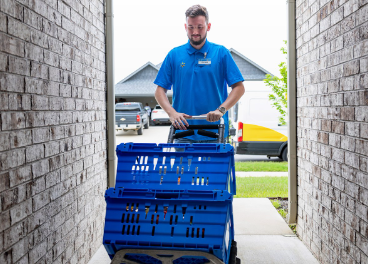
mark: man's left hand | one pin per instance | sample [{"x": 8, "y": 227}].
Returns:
[{"x": 214, "y": 116}]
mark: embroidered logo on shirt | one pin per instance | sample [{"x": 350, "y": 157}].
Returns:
[{"x": 182, "y": 64}]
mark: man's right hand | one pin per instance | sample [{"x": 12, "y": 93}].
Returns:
[{"x": 178, "y": 120}]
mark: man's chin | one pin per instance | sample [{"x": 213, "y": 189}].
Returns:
[{"x": 198, "y": 42}]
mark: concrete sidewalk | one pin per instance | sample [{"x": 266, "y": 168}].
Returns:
[{"x": 261, "y": 233}]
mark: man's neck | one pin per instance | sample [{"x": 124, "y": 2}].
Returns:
[{"x": 198, "y": 47}]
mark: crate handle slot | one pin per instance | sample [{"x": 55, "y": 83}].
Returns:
[
  {"x": 132, "y": 207},
  {"x": 127, "y": 219},
  {"x": 172, "y": 162},
  {"x": 132, "y": 219},
  {"x": 187, "y": 231},
  {"x": 197, "y": 181},
  {"x": 165, "y": 211},
  {"x": 179, "y": 180},
  {"x": 127, "y": 207},
  {"x": 163, "y": 160},
  {"x": 156, "y": 208},
  {"x": 207, "y": 181},
  {"x": 192, "y": 231},
  {"x": 157, "y": 217},
  {"x": 128, "y": 230},
  {"x": 146, "y": 210},
  {"x": 191, "y": 220},
  {"x": 203, "y": 232},
  {"x": 177, "y": 170},
  {"x": 176, "y": 219},
  {"x": 184, "y": 210},
  {"x": 123, "y": 230},
  {"x": 153, "y": 230},
  {"x": 146, "y": 160},
  {"x": 182, "y": 170},
  {"x": 138, "y": 230},
  {"x": 175, "y": 209},
  {"x": 133, "y": 230},
  {"x": 165, "y": 168},
  {"x": 192, "y": 180},
  {"x": 152, "y": 217},
  {"x": 189, "y": 163},
  {"x": 154, "y": 163},
  {"x": 196, "y": 170},
  {"x": 122, "y": 218},
  {"x": 136, "y": 207},
  {"x": 181, "y": 160},
  {"x": 200, "y": 207},
  {"x": 137, "y": 220},
  {"x": 172, "y": 231},
  {"x": 197, "y": 232},
  {"x": 171, "y": 218}
]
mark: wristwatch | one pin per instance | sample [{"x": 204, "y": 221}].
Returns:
[{"x": 222, "y": 109}]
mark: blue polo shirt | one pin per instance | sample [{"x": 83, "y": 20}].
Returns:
[{"x": 199, "y": 79}]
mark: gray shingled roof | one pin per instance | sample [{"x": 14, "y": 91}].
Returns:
[
  {"x": 140, "y": 82},
  {"x": 249, "y": 69}
]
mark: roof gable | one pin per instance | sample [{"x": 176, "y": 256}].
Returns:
[
  {"x": 138, "y": 73},
  {"x": 249, "y": 69}
]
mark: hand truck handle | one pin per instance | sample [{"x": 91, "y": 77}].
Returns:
[{"x": 219, "y": 136}]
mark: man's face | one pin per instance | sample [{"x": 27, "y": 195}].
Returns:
[{"x": 197, "y": 28}]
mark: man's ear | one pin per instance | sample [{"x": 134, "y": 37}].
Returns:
[
  {"x": 185, "y": 26},
  {"x": 208, "y": 26}
]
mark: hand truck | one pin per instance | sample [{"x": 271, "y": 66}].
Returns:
[{"x": 152, "y": 256}]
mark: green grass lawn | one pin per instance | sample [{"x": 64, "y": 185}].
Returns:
[
  {"x": 261, "y": 166},
  {"x": 261, "y": 187}
]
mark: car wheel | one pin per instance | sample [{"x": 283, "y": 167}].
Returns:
[
  {"x": 146, "y": 126},
  {"x": 284, "y": 154},
  {"x": 140, "y": 131}
]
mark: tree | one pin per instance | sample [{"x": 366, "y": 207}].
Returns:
[{"x": 278, "y": 97}]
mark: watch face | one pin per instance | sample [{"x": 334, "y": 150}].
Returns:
[{"x": 222, "y": 109}]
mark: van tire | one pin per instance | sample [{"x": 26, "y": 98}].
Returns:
[
  {"x": 284, "y": 154},
  {"x": 140, "y": 131}
]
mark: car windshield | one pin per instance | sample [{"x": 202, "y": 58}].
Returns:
[{"x": 127, "y": 107}]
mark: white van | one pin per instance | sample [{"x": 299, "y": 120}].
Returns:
[{"x": 259, "y": 132}]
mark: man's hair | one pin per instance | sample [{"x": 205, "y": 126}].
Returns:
[{"x": 197, "y": 10}]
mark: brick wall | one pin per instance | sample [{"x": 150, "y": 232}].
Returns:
[
  {"x": 52, "y": 130},
  {"x": 332, "y": 120}
]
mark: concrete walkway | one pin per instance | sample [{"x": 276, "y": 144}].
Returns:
[{"x": 261, "y": 233}]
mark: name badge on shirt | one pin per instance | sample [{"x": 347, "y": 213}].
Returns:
[{"x": 204, "y": 61}]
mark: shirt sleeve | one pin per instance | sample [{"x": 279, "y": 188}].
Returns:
[
  {"x": 232, "y": 72},
  {"x": 164, "y": 75}
]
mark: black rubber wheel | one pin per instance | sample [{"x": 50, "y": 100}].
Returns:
[
  {"x": 233, "y": 253},
  {"x": 140, "y": 131},
  {"x": 146, "y": 126},
  {"x": 284, "y": 154}
]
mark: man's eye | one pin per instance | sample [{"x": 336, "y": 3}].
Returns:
[{"x": 199, "y": 28}]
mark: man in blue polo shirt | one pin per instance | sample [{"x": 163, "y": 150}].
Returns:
[{"x": 199, "y": 73}]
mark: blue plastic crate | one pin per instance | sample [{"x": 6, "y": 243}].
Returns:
[
  {"x": 178, "y": 220},
  {"x": 197, "y": 167}
]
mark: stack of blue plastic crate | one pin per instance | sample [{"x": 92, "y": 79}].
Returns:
[{"x": 172, "y": 200}]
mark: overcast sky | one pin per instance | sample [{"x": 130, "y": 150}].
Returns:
[{"x": 146, "y": 30}]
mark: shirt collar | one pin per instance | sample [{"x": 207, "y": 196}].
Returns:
[{"x": 203, "y": 50}]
